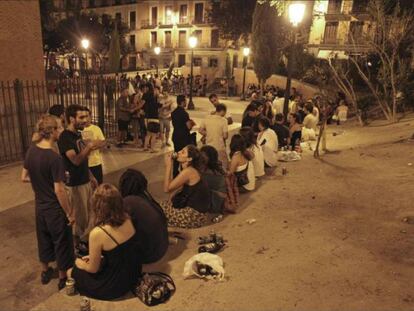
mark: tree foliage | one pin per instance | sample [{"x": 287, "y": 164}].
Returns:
[
  {"x": 233, "y": 18},
  {"x": 267, "y": 42}
]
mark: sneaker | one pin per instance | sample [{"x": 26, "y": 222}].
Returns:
[
  {"x": 46, "y": 276},
  {"x": 62, "y": 283}
]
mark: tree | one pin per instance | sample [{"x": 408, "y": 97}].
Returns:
[
  {"x": 233, "y": 18},
  {"x": 114, "y": 51},
  {"x": 267, "y": 41}
]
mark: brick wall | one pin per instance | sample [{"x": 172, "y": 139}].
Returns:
[{"x": 21, "y": 54}]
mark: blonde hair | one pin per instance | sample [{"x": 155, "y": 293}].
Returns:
[
  {"x": 45, "y": 127},
  {"x": 107, "y": 206}
]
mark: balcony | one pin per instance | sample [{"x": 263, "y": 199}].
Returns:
[
  {"x": 331, "y": 41},
  {"x": 147, "y": 24}
]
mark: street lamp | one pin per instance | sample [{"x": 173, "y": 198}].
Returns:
[
  {"x": 192, "y": 41},
  {"x": 85, "y": 45},
  {"x": 296, "y": 13},
  {"x": 246, "y": 52},
  {"x": 157, "y": 51}
]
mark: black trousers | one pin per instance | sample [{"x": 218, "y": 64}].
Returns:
[
  {"x": 97, "y": 173},
  {"x": 54, "y": 237}
]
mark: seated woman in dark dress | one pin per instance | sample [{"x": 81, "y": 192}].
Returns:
[
  {"x": 146, "y": 214},
  {"x": 112, "y": 267},
  {"x": 189, "y": 207}
]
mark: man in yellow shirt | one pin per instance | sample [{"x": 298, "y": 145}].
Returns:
[{"x": 94, "y": 133}]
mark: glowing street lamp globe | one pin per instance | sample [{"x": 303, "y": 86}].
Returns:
[
  {"x": 85, "y": 43},
  {"x": 192, "y": 42},
  {"x": 246, "y": 51},
  {"x": 296, "y": 13},
  {"x": 157, "y": 50}
]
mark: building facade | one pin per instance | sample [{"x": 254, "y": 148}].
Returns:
[
  {"x": 338, "y": 27},
  {"x": 168, "y": 25}
]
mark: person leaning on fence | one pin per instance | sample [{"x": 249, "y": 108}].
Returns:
[
  {"x": 79, "y": 179},
  {"x": 124, "y": 116},
  {"x": 44, "y": 168}
]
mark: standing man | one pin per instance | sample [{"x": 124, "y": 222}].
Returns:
[
  {"x": 213, "y": 98},
  {"x": 165, "y": 118},
  {"x": 124, "y": 116},
  {"x": 79, "y": 179},
  {"x": 44, "y": 168},
  {"x": 93, "y": 133},
  {"x": 215, "y": 129},
  {"x": 182, "y": 124}
]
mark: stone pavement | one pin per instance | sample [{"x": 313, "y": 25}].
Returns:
[{"x": 19, "y": 268}]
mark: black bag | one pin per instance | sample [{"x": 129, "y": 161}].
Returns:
[
  {"x": 242, "y": 178},
  {"x": 154, "y": 288}
]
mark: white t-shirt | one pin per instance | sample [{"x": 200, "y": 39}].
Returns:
[
  {"x": 278, "y": 104},
  {"x": 268, "y": 141},
  {"x": 258, "y": 160},
  {"x": 216, "y": 127},
  {"x": 310, "y": 121}
]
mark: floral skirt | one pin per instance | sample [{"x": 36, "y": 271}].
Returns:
[{"x": 187, "y": 218}]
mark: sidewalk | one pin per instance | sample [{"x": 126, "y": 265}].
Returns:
[{"x": 14, "y": 193}]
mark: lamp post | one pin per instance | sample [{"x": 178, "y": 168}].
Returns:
[
  {"x": 85, "y": 45},
  {"x": 246, "y": 52},
  {"x": 296, "y": 13},
  {"x": 157, "y": 51},
  {"x": 192, "y": 41}
]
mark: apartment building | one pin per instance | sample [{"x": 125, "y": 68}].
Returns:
[
  {"x": 166, "y": 24},
  {"x": 338, "y": 26}
]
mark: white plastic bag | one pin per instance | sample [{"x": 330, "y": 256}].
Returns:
[
  {"x": 214, "y": 261},
  {"x": 131, "y": 90}
]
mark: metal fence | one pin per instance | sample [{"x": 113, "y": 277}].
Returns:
[{"x": 22, "y": 102}]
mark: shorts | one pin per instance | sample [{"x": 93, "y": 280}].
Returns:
[
  {"x": 153, "y": 126},
  {"x": 123, "y": 125},
  {"x": 165, "y": 125}
]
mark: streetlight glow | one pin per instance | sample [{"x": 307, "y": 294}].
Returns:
[
  {"x": 157, "y": 50},
  {"x": 85, "y": 43},
  {"x": 246, "y": 51},
  {"x": 169, "y": 12},
  {"x": 296, "y": 13},
  {"x": 192, "y": 41}
]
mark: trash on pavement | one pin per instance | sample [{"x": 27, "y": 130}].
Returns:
[{"x": 204, "y": 265}]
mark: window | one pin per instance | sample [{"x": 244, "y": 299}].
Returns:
[
  {"x": 132, "y": 41},
  {"x": 199, "y": 13},
  {"x": 215, "y": 38},
  {"x": 168, "y": 15},
  {"x": 213, "y": 62},
  {"x": 132, "y": 62},
  {"x": 153, "y": 38},
  {"x": 154, "y": 16},
  {"x": 198, "y": 35},
  {"x": 355, "y": 32},
  {"x": 132, "y": 19},
  {"x": 334, "y": 6},
  {"x": 167, "y": 39},
  {"x": 183, "y": 14},
  {"x": 197, "y": 61},
  {"x": 118, "y": 17},
  {"x": 359, "y": 6},
  {"x": 182, "y": 39},
  {"x": 181, "y": 60},
  {"x": 331, "y": 29}
]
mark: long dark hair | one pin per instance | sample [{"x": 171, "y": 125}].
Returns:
[
  {"x": 248, "y": 134},
  {"x": 133, "y": 182},
  {"x": 197, "y": 159},
  {"x": 211, "y": 158},
  {"x": 238, "y": 143}
]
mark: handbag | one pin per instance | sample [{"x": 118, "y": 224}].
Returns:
[
  {"x": 154, "y": 288},
  {"x": 242, "y": 178}
]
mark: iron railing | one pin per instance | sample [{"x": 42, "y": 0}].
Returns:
[{"x": 22, "y": 102}]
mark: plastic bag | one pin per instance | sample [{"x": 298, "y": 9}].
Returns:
[
  {"x": 214, "y": 261},
  {"x": 131, "y": 90}
]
